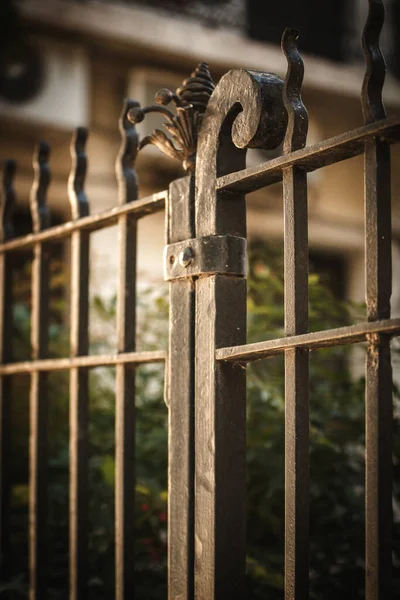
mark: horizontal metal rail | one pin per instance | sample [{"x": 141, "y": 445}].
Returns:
[
  {"x": 89, "y": 362},
  {"x": 322, "y": 154},
  {"x": 138, "y": 208},
  {"x": 312, "y": 341}
]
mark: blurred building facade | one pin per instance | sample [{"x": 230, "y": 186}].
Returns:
[{"x": 70, "y": 63}]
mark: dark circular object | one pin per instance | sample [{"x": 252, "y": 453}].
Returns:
[{"x": 21, "y": 72}]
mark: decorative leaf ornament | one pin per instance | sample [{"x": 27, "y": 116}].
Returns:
[{"x": 191, "y": 101}]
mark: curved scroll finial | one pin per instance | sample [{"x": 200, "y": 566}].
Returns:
[
  {"x": 7, "y": 203},
  {"x": 38, "y": 197},
  {"x": 296, "y": 133},
  {"x": 245, "y": 111},
  {"x": 128, "y": 189},
  {"x": 371, "y": 96},
  {"x": 77, "y": 197}
]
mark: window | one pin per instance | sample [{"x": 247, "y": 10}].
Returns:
[{"x": 322, "y": 24}]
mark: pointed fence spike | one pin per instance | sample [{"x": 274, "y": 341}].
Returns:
[
  {"x": 38, "y": 197},
  {"x": 76, "y": 192},
  {"x": 128, "y": 188},
  {"x": 296, "y": 132},
  {"x": 7, "y": 204},
  {"x": 371, "y": 95}
]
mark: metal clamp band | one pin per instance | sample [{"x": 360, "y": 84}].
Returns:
[{"x": 222, "y": 254}]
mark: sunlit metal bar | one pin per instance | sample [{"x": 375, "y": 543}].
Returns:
[
  {"x": 139, "y": 209},
  {"x": 39, "y": 385},
  {"x": 296, "y": 322},
  {"x": 83, "y": 362},
  {"x": 79, "y": 378},
  {"x": 125, "y": 413},
  {"x": 313, "y": 341},
  {"x": 378, "y": 282},
  {"x": 379, "y": 426},
  {"x": 332, "y": 150}
]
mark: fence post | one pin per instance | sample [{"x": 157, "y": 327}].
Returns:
[{"x": 244, "y": 107}]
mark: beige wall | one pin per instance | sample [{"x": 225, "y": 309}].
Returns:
[{"x": 335, "y": 193}]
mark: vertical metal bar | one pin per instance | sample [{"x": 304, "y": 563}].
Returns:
[
  {"x": 296, "y": 322},
  {"x": 296, "y": 386},
  {"x": 125, "y": 374},
  {"x": 220, "y": 389},
  {"x": 6, "y": 232},
  {"x": 379, "y": 412},
  {"x": 180, "y": 400},
  {"x": 38, "y": 389},
  {"x": 220, "y": 439},
  {"x": 79, "y": 381}
]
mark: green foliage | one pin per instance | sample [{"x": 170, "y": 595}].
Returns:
[{"x": 336, "y": 452}]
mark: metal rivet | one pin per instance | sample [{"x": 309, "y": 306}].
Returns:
[{"x": 186, "y": 257}]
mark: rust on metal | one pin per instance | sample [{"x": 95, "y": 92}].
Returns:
[
  {"x": 317, "y": 340},
  {"x": 209, "y": 130},
  {"x": 296, "y": 322},
  {"x": 139, "y": 208},
  {"x": 125, "y": 409},
  {"x": 378, "y": 290},
  {"x": 330, "y": 151},
  {"x": 205, "y": 256}
]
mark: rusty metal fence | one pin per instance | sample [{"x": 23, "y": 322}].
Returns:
[{"x": 205, "y": 265}]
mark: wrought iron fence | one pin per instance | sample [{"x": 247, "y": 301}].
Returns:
[{"x": 204, "y": 262}]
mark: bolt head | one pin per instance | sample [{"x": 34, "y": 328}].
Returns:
[{"x": 186, "y": 257}]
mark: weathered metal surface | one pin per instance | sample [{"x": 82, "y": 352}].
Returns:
[
  {"x": 190, "y": 102},
  {"x": 125, "y": 410},
  {"x": 140, "y": 208},
  {"x": 180, "y": 401},
  {"x": 296, "y": 322},
  {"x": 38, "y": 530},
  {"x": 205, "y": 256},
  {"x": 245, "y": 110},
  {"x": 323, "y": 154},
  {"x": 7, "y": 203},
  {"x": 378, "y": 289},
  {"x": 79, "y": 378},
  {"x": 220, "y": 409},
  {"x": 220, "y": 441},
  {"x": 316, "y": 340},
  {"x": 205, "y": 383}
]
